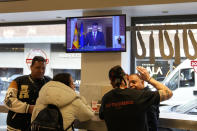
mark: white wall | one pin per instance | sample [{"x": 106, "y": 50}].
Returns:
[
  {"x": 62, "y": 60},
  {"x": 28, "y": 52},
  {"x": 12, "y": 59}
]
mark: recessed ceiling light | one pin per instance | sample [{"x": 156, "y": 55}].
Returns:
[
  {"x": 2, "y": 20},
  {"x": 165, "y": 12},
  {"x": 58, "y": 17}
]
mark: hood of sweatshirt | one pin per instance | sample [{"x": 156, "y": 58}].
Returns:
[{"x": 57, "y": 93}]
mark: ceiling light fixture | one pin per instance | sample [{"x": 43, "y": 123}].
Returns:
[
  {"x": 165, "y": 12},
  {"x": 2, "y": 20},
  {"x": 58, "y": 17}
]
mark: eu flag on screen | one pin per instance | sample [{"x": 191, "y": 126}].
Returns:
[{"x": 82, "y": 36}]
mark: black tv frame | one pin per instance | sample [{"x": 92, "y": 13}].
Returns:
[{"x": 106, "y": 51}]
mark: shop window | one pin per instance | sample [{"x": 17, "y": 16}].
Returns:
[
  {"x": 171, "y": 50},
  {"x": 3, "y": 117},
  {"x": 17, "y": 40},
  {"x": 187, "y": 78},
  {"x": 11, "y": 47},
  {"x": 173, "y": 83},
  {"x": 6, "y": 76},
  {"x": 75, "y": 73},
  {"x": 58, "y": 48},
  {"x": 158, "y": 71}
]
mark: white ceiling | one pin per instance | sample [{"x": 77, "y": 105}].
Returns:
[{"x": 146, "y": 10}]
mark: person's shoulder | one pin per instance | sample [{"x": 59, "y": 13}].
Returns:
[
  {"x": 135, "y": 94},
  {"x": 132, "y": 91},
  {"x": 89, "y": 33},
  {"x": 147, "y": 88},
  {"x": 149, "y": 94},
  {"x": 109, "y": 93},
  {"x": 47, "y": 78},
  {"x": 100, "y": 32},
  {"x": 21, "y": 77}
]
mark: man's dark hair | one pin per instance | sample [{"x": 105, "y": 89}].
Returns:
[
  {"x": 38, "y": 58},
  {"x": 95, "y": 23},
  {"x": 116, "y": 75},
  {"x": 63, "y": 78}
]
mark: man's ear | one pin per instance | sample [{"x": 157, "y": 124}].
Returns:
[{"x": 30, "y": 67}]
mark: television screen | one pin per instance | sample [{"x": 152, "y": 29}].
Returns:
[{"x": 96, "y": 34}]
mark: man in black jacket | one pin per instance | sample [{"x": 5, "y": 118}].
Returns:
[
  {"x": 152, "y": 113},
  {"x": 22, "y": 94}
]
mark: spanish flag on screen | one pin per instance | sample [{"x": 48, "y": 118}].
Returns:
[{"x": 75, "y": 38}]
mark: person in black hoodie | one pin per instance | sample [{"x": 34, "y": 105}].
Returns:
[
  {"x": 152, "y": 114},
  {"x": 124, "y": 108}
]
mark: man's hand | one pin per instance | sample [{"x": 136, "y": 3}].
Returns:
[
  {"x": 31, "y": 108},
  {"x": 144, "y": 75},
  {"x": 164, "y": 92}
]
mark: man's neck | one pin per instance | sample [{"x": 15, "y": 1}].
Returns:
[{"x": 35, "y": 78}]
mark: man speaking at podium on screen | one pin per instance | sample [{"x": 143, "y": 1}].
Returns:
[{"x": 95, "y": 38}]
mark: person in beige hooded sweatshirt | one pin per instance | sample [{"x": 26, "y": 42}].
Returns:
[{"x": 61, "y": 92}]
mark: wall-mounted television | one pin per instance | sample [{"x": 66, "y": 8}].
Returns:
[{"x": 96, "y": 33}]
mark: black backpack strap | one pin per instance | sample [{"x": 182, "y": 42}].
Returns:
[
  {"x": 59, "y": 114},
  {"x": 71, "y": 125}
]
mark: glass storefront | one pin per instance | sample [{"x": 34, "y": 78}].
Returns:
[
  {"x": 19, "y": 44},
  {"x": 159, "y": 70},
  {"x": 24, "y": 42},
  {"x": 6, "y": 76},
  {"x": 75, "y": 73},
  {"x": 181, "y": 77}
]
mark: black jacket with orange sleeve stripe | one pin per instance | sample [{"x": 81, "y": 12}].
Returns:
[{"x": 22, "y": 92}]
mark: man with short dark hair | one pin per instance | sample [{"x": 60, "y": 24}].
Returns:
[
  {"x": 22, "y": 94},
  {"x": 95, "y": 37}
]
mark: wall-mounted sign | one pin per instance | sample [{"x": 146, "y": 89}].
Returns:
[{"x": 194, "y": 65}]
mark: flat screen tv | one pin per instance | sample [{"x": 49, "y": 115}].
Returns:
[{"x": 96, "y": 34}]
